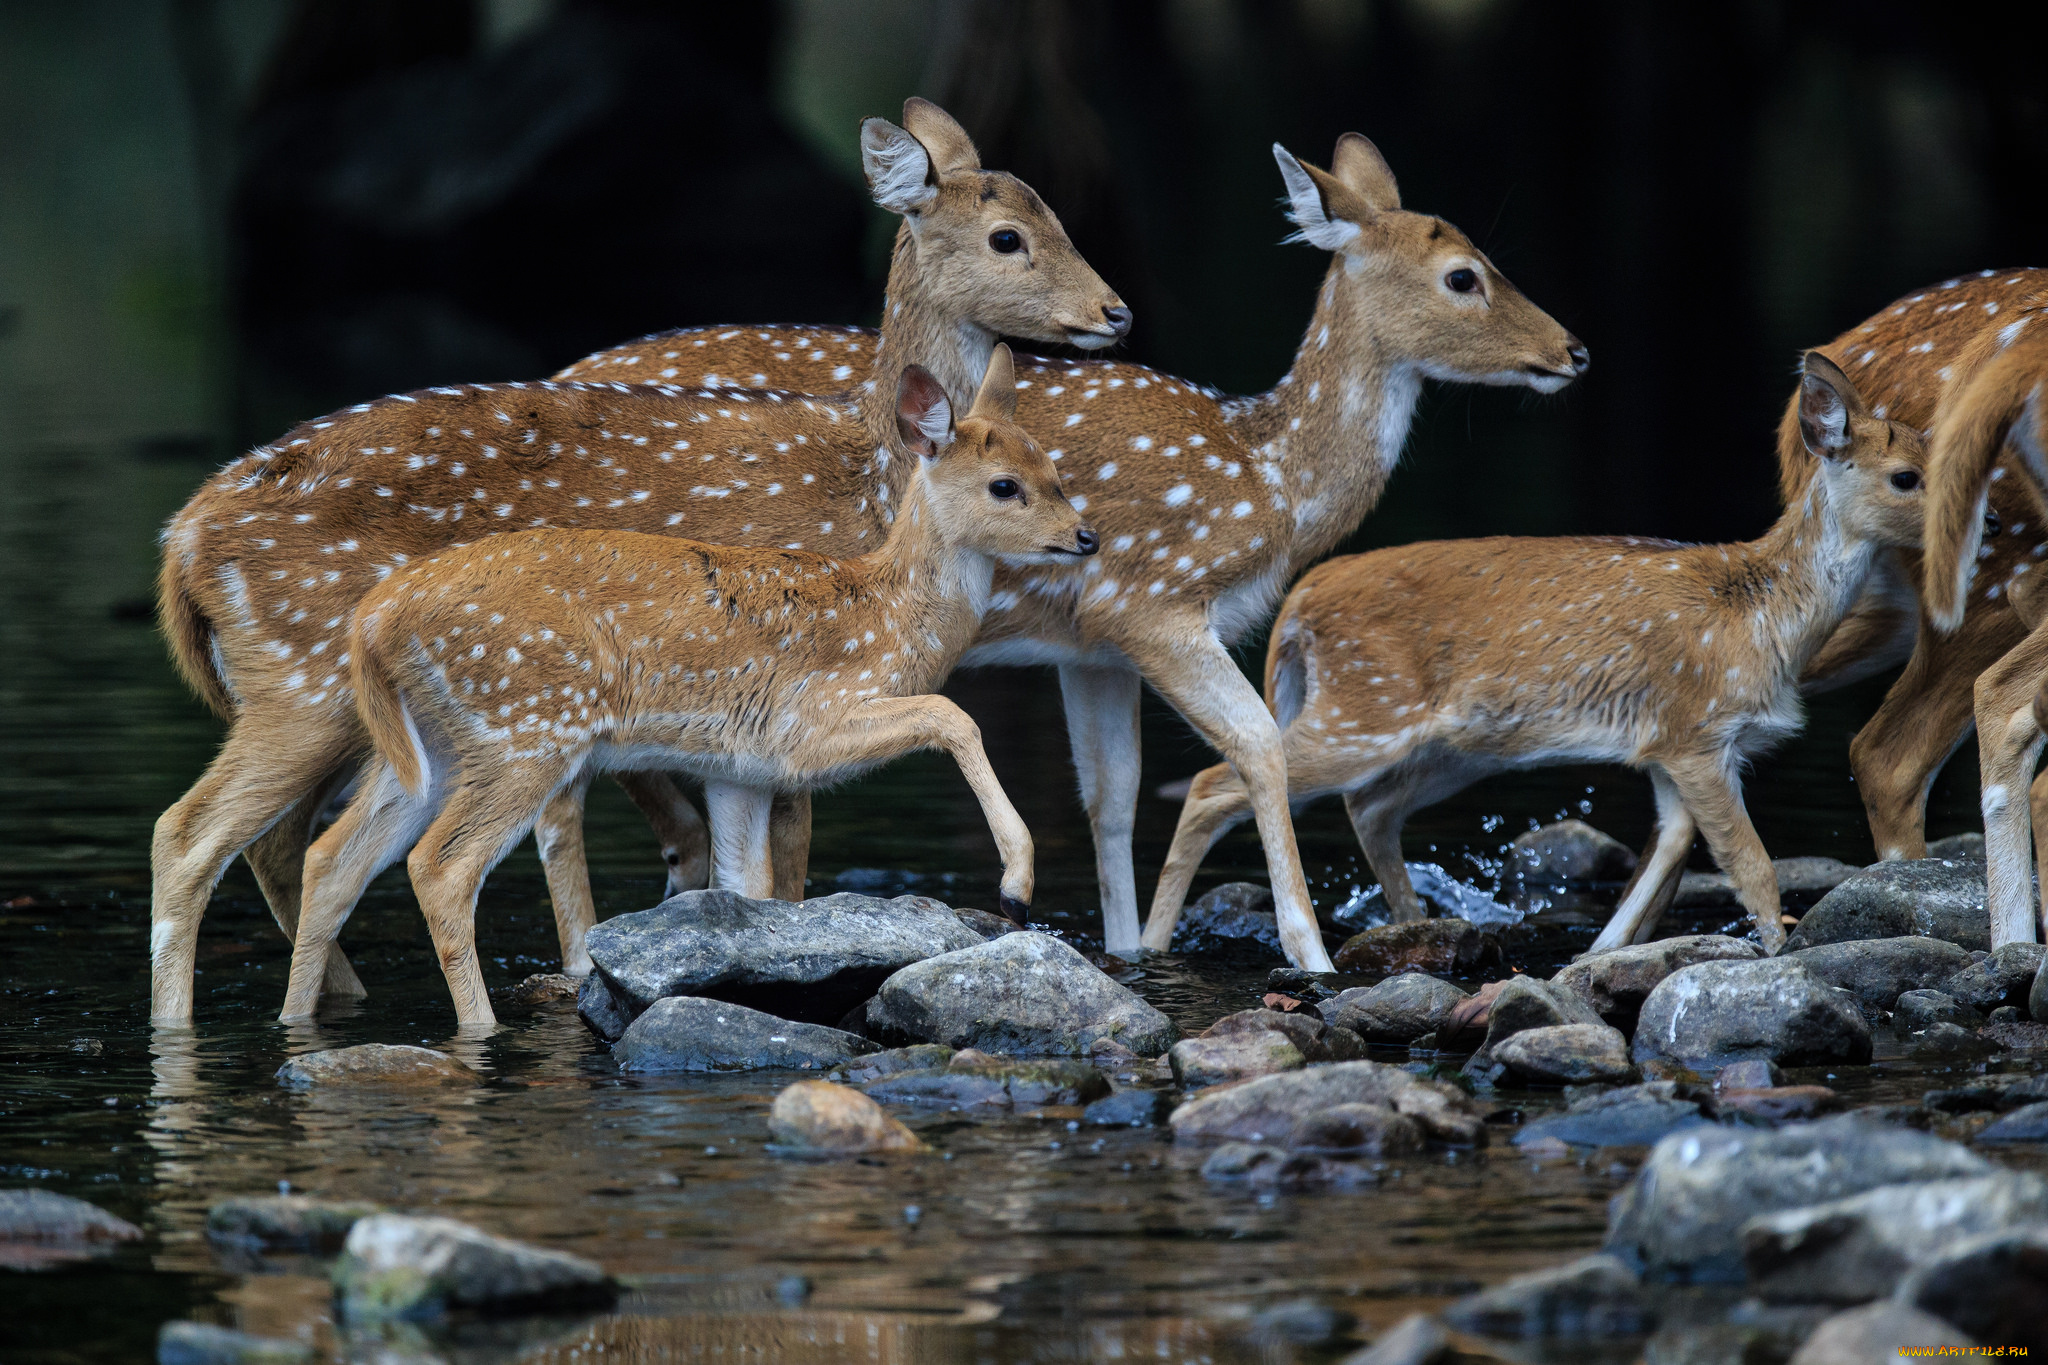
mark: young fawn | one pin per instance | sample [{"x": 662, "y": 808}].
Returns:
[
  {"x": 1998, "y": 402},
  {"x": 1405, "y": 675},
  {"x": 492, "y": 677},
  {"x": 1209, "y": 505},
  {"x": 263, "y": 567}
]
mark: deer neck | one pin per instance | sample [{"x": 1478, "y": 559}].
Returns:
[
  {"x": 1816, "y": 568},
  {"x": 1335, "y": 423},
  {"x": 918, "y": 328},
  {"x": 933, "y": 589}
]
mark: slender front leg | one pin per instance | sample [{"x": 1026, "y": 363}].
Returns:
[
  {"x": 1655, "y": 885},
  {"x": 2009, "y": 743},
  {"x": 558, "y": 834},
  {"x": 1216, "y": 804},
  {"x": 685, "y": 846},
  {"x": 789, "y": 843},
  {"x": 1707, "y": 786},
  {"x": 739, "y": 838},
  {"x": 1102, "y": 729},
  {"x": 278, "y": 859},
  {"x": 1193, "y": 671}
]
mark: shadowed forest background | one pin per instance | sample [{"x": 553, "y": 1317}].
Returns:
[{"x": 219, "y": 217}]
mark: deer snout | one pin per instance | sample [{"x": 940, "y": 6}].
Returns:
[
  {"x": 1118, "y": 317},
  {"x": 1581, "y": 358},
  {"x": 1086, "y": 541}
]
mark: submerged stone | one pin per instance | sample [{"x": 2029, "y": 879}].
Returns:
[
  {"x": 1635, "y": 1116},
  {"x": 817, "y": 1116},
  {"x": 374, "y": 1064},
  {"x": 41, "y": 1228},
  {"x": 202, "y": 1343},
  {"x": 1270, "y": 1108},
  {"x": 1130, "y": 1109},
  {"x": 1594, "y": 1296},
  {"x": 293, "y": 1221},
  {"x": 687, "y": 1033},
  {"x": 396, "y": 1266},
  {"x": 2028, "y": 1124}
]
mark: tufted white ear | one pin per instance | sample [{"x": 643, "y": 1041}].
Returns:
[
  {"x": 898, "y": 168},
  {"x": 924, "y": 418},
  {"x": 1308, "y": 210},
  {"x": 1826, "y": 398}
]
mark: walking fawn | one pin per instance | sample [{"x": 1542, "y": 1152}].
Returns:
[
  {"x": 1999, "y": 394},
  {"x": 1208, "y": 506},
  {"x": 493, "y": 676},
  {"x": 262, "y": 568},
  {"x": 1405, "y": 675}
]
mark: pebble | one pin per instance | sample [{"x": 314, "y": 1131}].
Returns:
[
  {"x": 375, "y": 1064},
  {"x": 818, "y": 1116}
]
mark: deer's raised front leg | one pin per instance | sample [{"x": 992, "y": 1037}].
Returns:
[{"x": 1102, "y": 728}]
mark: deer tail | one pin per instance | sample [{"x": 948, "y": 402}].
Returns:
[
  {"x": 1969, "y": 434},
  {"x": 189, "y": 634},
  {"x": 382, "y": 707},
  {"x": 1287, "y": 663}
]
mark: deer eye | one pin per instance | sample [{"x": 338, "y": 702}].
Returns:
[
  {"x": 1006, "y": 240},
  {"x": 1906, "y": 480},
  {"x": 1004, "y": 488},
  {"x": 1462, "y": 281}
]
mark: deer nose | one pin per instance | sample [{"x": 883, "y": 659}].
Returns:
[
  {"x": 1117, "y": 316},
  {"x": 1086, "y": 541},
  {"x": 1581, "y": 357}
]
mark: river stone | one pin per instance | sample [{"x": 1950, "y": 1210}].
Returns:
[
  {"x": 1312, "y": 1038},
  {"x": 1198, "y": 1062},
  {"x": 397, "y": 1266},
  {"x": 1417, "y": 1339},
  {"x": 202, "y": 1343},
  {"x": 1570, "y": 851},
  {"x": 1704, "y": 1016},
  {"x": 817, "y": 1116},
  {"x": 1994, "y": 1287},
  {"x": 1130, "y": 1109},
  {"x": 688, "y": 1033},
  {"x": 1567, "y": 1054},
  {"x": 1234, "y": 916},
  {"x": 1615, "y": 983},
  {"x": 1928, "y": 897},
  {"x": 602, "y": 1010},
  {"x": 1796, "y": 877},
  {"x": 1879, "y": 970},
  {"x": 1962, "y": 848},
  {"x": 296, "y": 1221},
  {"x": 46, "y": 1217},
  {"x": 2004, "y": 978},
  {"x": 1855, "y": 1249},
  {"x": 811, "y": 962},
  {"x": 1267, "y": 1167},
  {"x": 1683, "y": 1213},
  {"x": 1634, "y": 1116},
  {"x": 1423, "y": 945},
  {"x": 546, "y": 988},
  {"x": 875, "y": 1065},
  {"x": 1878, "y": 1332},
  {"x": 1271, "y": 1107},
  {"x": 1758, "y": 1073},
  {"x": 1526, "y": 1003},
  {"x": 1022, "y": 993},
  {"x": 1920, "y": 1009},
  {"x": 1772, "y": 1105},
  {"x": 2028, "y": 1124},
  {"x": 1398, "y": 1010},
  {"x": 2037, "y": 996},
  {"x": 375, "y": 1064},
  {"x": 1007, "y": 1082},
  {"x": 1979, "y": 1093},
  {"x": 1358, "y": 1130},
  {"x": 1594, "y": 1296}
]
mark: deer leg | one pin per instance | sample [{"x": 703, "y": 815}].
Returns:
[
  {"x": 558, "y": 834},
  {"x": 1102, "y": 728},
  {"x": 739, "y": 838},
  {"x": 2009, "y": 742},
  {"x": 1655, "y": 884},
  {"x": 789, "y": 843},
  {"x": 1712, "y": 798},
  {"x": 254, "y": 781},
  {"x": 1377, "y": 823},
  {"x": 1216, "y": 804},
  {"x": 1193, "y": 671},
  {"x": 685, "y": 846},
  {"x": 278, "y": 858},
  {"x": 376, "y": 829}
]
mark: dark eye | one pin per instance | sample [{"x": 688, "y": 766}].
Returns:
[
  {"x": 1906, "y": 480},
  {"x": 1006, "y": 240},
  {"x": 1004, "y": 488},
  {"x": 1462, "y": 281}
]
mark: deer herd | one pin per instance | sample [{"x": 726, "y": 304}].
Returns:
[{"x": 734, "y": 564}]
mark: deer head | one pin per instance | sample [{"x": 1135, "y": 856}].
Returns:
[
  {"x": 988, "y": 485},
  {"x": 1454, "y": 316},
  {"x": 987, "y": 243},
  {"x": 1874, "y": 470}
]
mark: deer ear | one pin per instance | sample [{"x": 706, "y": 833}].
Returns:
[
  {"x": 898, "y": 168},
  {"x": 1309, "y": 192},
  {"x": 997, "y": 399},
  {"x": 1365, "y": 172},
  {"x": 924, "y": 419},
  {"x": 950, "y": 148},
  {"x": 1827, "y": 400}
]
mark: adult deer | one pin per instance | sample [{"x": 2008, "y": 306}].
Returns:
[
  {"x": 1209, "y": 505},
  {"x": 262, "y": 568},
  {"x": 756, "y": 670},
  {"x": 1997, "y": 407},
  {"x": 1405, "y": 675}
]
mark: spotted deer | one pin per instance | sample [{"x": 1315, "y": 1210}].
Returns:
[
  {"x": 1209, "y": 505},
  {"x": 1405, "y": 675},
  {"x": 756, "y": 670},
  {"x": 1993, "y": 419},
  {"x": 263, "y": 567}
]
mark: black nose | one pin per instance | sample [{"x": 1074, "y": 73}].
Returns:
[
  {"x": 1581, "y": 357},
  {"x": 1118, "y": 317},
  {"x": 1087, "y": 541}
]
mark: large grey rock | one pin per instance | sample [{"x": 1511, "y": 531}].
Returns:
[
  {"x": 1594, "y": 1296},
  {"x": 1634, "y": 1116},
  {"x": 2027, "y": 1124},
  {"x": 1709, "y": 1014},
  {"x": 1615, "y": 983},
  {"x": 1855, "y": 1249},
  {"x": 1683, "y": 1213},
  {"x": 1796, "y": 877},
  {"x": 1021, "y": 993},
  {"x": 1234, "y": 917},
  {"x": 1567, "y": 1054},
  {"x": 1967, "y": 847},
  {"x": 1398, "y": 1010},
  {"x": 1356, "y": 1130},
  {"x": 1917, "y": 1010},
  {"x": 293, "y": 1221},
  {"x": 1931, "y": 897},
  {"x": 689, "y": 1033},
  {"x": 395, "y": 1266},
  {"x": 1878, "y": 1332},
  {"x": 1877, "y": 971},
  {"x": 812, "y": 961},
  {"x": 202, "y": 1343},
  {"x": 1994, "y": 1287},
  {"x": 1570, "y": 851},
  {"x": 1269, "y": 1109},
  {"x": 374, "y": 1064},
  {"x": 2004, "y": 978}
]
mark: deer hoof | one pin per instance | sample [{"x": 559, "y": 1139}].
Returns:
[{"x": 1016, "y": 911}]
